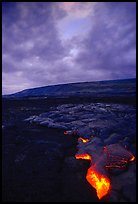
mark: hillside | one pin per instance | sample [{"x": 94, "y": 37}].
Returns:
[{"x": 124, "y": 87}]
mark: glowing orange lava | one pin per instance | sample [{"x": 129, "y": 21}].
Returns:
[
  {"x": 132, "y": 159},
  {"x": 100, "y": 182},
  {"x": 83, "y": 156},
  {"x": 83, "y": 140}
]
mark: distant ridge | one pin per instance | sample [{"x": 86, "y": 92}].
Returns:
[{"x": 121, "y": 87}]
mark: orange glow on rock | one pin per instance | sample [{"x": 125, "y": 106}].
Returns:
[
  {"x": 83, "y": 156},
  {"x": 65, "y": 133},
  {"x": 83, "y": 140},
  {"x": 132, "y": 159},
  {"x": 100, "y": 182}
]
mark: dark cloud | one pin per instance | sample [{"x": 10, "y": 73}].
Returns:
[
  {"x": 110, "y": 45},
  {"x": 41, "y": 44},
  {"x": 31, "y": 31}
]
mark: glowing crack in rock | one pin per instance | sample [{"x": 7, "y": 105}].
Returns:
[
  {"x": 83, "y": 156},
  {"x": 132, "y": 158},
  {"x": 117, "y": 156},
  {"x": 102, "y": 158},
  {"x": 83, "y": 140}
]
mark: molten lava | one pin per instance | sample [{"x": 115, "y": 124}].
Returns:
[
  {"x": 83, "y": 156},
  {"x": 83, "y": 140},
  {"x": 110, "y": 156},
  {"x": 100, "y": 182},
  {"x": 132, "y": 159}
]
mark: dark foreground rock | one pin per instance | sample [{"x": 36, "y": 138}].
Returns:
[
  {"x": 38, "y": 162},
  {"x": 40, "y": 166}
]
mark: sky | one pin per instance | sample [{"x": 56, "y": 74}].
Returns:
[{"x": 47, "y": 43}]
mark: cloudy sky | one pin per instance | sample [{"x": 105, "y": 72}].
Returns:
[{"x": 46, "y": 43}]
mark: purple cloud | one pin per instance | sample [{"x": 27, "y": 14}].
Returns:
[
  {"x": 46, "y": 43},
  {"x": 110, "y": 45}
]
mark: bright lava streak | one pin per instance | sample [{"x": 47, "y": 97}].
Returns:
[
  {"x": 83, "y": 140},
  {"x": 100, "y": 182},
  {"x": 132, "y": 159},
  {"x": 83, "y": 156}
]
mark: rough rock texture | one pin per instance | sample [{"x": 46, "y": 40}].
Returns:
[{"x": 109, "y": 124}]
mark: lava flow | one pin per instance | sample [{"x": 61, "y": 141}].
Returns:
[
  {"x": 110, "y": 156},
  {"x": 83, "y": 156},
  {"x": 100, "y": 182},
  {"x": 132, "y": 158},
  {"x": 83, "y": 140}
]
